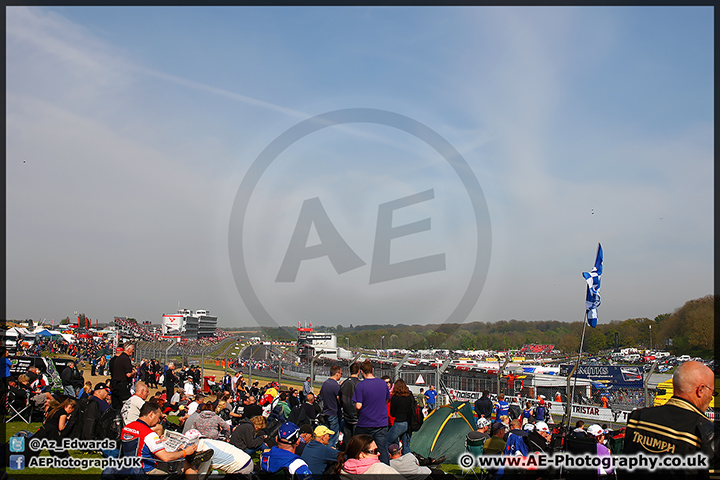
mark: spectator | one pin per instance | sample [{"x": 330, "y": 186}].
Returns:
[
  {"x": 196, "y": 404},
  {"x": 283, "y": 455},
  {"x": 318, "y": 454},
  {"x": 501, "y": 407},
  {"x": 350, "y": 414},
  {"x": 294, "y": 398},
  {"x": 307, "y": 388},
  {"x": 121, "y": 375},
  {"x": 311, "y": 409},
  {"x": 495, "y": 444},
  {"x": 514, "y": 409},
  {"x": 538, "y": 439},
  {"x": 210, "y": 424},
  {"x": 251, "y": 408},
  {"x": 361, "y": 458},
  {"x": 96, "y": 406},
  {"x": 540, "y": 412},
  {"x": 401, "y": 406},
  {"x": 430, "y": 396},
  {"x": 579, "y": 430},
  {"x": 130, "y": 410},
  {"x": 603, "y": 452},
  {"x": 680, "y": 425},
  {"x": 408, "y": 465},
  {"x": 306, "y": 435},
  {"x": 527, "y": 414},
  {"x": 67, "y": 380},
  {"x": 421, "y": 398},
  {"x": 226, "y": 458},
  {"x": 248, "y": 436},
  {"x": 330, "y": 395},
  {"x": 371, "y": 397},
  {"x": 484, "y": 406},
  {"x": 169, "y": 381},
  {"x": 482, "y": 431},
  {"x": 139, "y": 440},
  {"x": 56, "y": 421}
]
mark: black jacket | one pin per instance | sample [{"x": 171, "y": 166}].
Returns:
[
  {"x": 347, "y": 390},
  {"x": 483, "y": 406},
  {"x": 676, "y": 428},
  {"x": 243, "y": 436}
]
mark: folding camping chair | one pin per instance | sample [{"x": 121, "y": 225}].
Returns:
[{"x": 18, "y": 406}]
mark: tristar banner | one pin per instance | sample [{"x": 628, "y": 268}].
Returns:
[{"x": 614, "y": 376}]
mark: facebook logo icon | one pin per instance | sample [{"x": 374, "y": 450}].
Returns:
[{"x": 17, "y": 462}]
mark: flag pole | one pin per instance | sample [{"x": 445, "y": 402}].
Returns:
[{"x": 573, "y": 374}]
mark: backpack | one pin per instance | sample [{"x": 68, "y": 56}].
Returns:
[
  {"x": 109, "y": 425},
  {"x": 416, "y": 416}
]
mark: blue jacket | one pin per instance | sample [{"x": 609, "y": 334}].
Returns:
[
  {"x": 276, "y": 459},
  {"x": 318, "y": 457}
]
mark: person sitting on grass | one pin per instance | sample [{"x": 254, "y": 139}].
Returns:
[{"x": 138, "y": 439}]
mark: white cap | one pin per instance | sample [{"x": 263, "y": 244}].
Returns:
[
  {"x": 529, "y": 427},
  {"x": 542, "y": 427},
  {"x": 595, "y": 430}
]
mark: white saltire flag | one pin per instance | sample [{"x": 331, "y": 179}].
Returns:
[{"x": 592, "y": 298}]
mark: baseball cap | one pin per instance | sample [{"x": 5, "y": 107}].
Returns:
[
  {"x": 321, "y": 430},
  {"x": 305, "y": 428},
  {"x": 102, "y": 386},
  {"x": 193, "y": 433},
  {"x": 542, "y": 427},
  {"x": 529, "y": 427},
  {"x": 483, "y": 422},
  {"x": 595, "y": 430},
  {"x": 394, "y": 448},
  {"x": 289, "y": 432}
]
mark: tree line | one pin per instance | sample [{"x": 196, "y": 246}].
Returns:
[{"x": 688, "y": 330}]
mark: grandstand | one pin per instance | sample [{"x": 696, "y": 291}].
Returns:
[{"x": 535, "y": 349}]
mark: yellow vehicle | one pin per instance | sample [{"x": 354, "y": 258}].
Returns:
[{"x": 665, "y": 391}]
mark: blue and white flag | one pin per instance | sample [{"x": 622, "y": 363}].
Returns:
[{"x": 592, "y": 298}]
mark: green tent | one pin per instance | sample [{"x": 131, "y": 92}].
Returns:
[{"x": 443, "y": 432}]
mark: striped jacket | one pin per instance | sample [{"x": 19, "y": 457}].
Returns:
[{"x": 676, "y": 428}]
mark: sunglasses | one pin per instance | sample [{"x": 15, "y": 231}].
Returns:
[{"x": 373, "y": 452}]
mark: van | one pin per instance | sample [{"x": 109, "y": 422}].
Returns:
[{"x": 665, "y": 391}]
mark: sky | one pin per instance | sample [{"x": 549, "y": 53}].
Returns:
[{"x": 357, "y": 165}]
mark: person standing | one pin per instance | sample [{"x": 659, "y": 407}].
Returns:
[
  {"x": 430, "y": 396},
  {"x": 67, "y": 380},
  {"x": 401, "y": 405},
  {"x": 330, "y": 395},
  {"x": 350, "y": 414},
  {"x": 169, "y": 381},
  {"x": 371, "y": 397},
  {"x": 501, "y": 407},
  {"x": 679, "y": 427},
  {"x": 121, "y": 375},
  {"x": 307, "y": 388}
]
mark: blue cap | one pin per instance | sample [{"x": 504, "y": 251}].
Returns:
[{"x": 289, "y": 432}]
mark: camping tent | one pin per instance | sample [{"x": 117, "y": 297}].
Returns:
[{"x": 443, "y": 432}]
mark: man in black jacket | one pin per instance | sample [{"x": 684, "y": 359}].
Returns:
[
  {"x": 67, "y": 380},
  {"x": 121, "y": 375},
  {"x": 347, "y": 389},
  {"x": 679, "y": 427},
  {"x": 484, "y": 406},
  {"x": 96, "y": 406}
]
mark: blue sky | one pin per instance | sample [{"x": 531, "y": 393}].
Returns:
[{"x": 130, "y": 130}]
